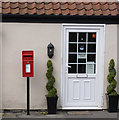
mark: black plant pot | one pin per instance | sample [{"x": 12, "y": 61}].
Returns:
[
  {"x": 112, "y": 103},
  {"x": 52, "y": 104}
]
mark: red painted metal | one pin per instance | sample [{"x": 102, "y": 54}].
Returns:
[{"x": 27, "y": 64}]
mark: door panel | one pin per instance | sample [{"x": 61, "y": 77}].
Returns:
[{"x": 81, "y": 91}]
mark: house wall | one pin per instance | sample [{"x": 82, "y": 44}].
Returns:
[
  {"x": 0, "y": 66},
  {"x": 110, "y": 52},
  {"x": 36, "y": 36}
]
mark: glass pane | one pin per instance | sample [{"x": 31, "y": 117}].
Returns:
[
  {"x": 91, "y": 37},
  {"x": 72, "y": 37},
  {"x": 73, "y": 68},
  {"x": 72, "y": 58},
  {"x": 81, "y": 60},
  {"x": 81, "y": 68},
  {"x": 90, "y": 68},
  {"x": 91, "y": 57},
  {"x": 82, "y": 47},
  {"x": 82, "y": 37},
  {"x": 72, "y": 47},
  {"x": 91, "y": 47}
]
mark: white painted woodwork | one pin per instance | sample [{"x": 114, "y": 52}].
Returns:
[{"x": 82, "y": 91}]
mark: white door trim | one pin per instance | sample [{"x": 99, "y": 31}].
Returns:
[{"x": 100, "y": 27}]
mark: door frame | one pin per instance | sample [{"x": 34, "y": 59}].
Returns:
[{"x": 101, "y": 28}]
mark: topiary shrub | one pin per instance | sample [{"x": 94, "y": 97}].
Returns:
[
  {"x": 112, "y": 82},
  {"x": 52, "y": 91}
]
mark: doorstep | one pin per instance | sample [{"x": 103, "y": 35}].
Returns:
[{"x": 61, "y": 115}]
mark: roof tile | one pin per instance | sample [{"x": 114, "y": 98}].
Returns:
[
  {"x": 96, "y": 7},
  {"x": 114, "y": 12},
  {"x": 65, "y": 12},
  {"x": 6, "y": 11},
  {"x": 14, "y": 4},
  {"x": 89, "y": 12},
  {"x": 72, "y": 6},
  {"x": 104, "y": 6},
  {"x": 0, "y": 4},
  {"x": 78, "y": 3},
  {"x": 112, "y": 6},
  {"x": 31, "y": 5},
  {"x": 82, "y": 12},
  {"x": 31, "y": 11},
  {"x": 98, "y": 12},
  {"x": 80, "y": 6},
  {"x": 64, "y": 6},
  {"x": 41, "y": 11},
  {"x": 48, "y": 6},
  {"x": 23, "y": 11},
  {"x": 102, "y": 3},
  {"x": 6, "y": 5},
  {"x": 57, "y": 12},
  {"x": 22, "y": 4},
  {"x": 15, "y": 11},
  {"x": 56, "y": 6},
  {"x": 106, "y": 12},
  {"x": 40, "y": 5},
  {"x": 49, "y": 12},
  {"x": 94, "y": 3},
  {"x": 73, "y": 12},
  {"x": 88, "y": 6},
  {"x": 110, "y": 3}
]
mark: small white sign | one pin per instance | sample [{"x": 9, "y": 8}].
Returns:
[
  {"x": 90, "y": 67},
  {"x": 28, "y": 68},
  {"x": 81, "y": 56}
]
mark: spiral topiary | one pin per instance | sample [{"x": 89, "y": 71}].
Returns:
[
  {"x": 52, "y": 91},
  {"x": 112, "y": 82}
]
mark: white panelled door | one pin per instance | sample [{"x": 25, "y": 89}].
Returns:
[{"x": 82, "y": 66}]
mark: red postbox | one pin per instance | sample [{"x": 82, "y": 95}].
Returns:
[{"x": 27, "y": 63}]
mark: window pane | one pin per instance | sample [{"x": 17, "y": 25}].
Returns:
[
  {"x": 73, "y": 68},
  {"x": 72, "y": 58},
  {"x": 82, "y": 47},
  {"x": 82, "y": 37},
  {"x": 81, "y": 68},
  {"x": 81, "y": 60},
  {"x": 72, "y": 37},
  {"x": 91, "y": 68},
  {"x": 91, "y": 37},
  {"x": 91, "y": 47},
  {"x": 72, "y": 47},
  {"x": 91, "y": 57}
]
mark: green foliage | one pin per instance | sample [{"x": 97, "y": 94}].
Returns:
[
  {"x": 113, "y": 83},
  {"x": 52, "y": 91},
  {"x": 43, "y": 112}
]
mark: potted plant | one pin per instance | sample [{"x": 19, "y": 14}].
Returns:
[
  {"x": 52, "y": 91},
  {"x": 112, "y": 95}
]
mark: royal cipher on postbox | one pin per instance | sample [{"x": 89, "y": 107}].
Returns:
[{"x": 27, "y": 63}]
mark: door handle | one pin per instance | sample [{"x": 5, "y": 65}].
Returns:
[{"x": 68, "y": 66}]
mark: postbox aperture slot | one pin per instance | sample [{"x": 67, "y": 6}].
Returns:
[{"x": 27, "y": 55}]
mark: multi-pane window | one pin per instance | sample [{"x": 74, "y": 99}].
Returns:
[{"x": 82, "y": 52}]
